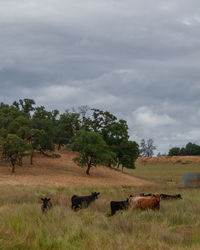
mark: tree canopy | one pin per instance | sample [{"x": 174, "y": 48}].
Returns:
[
  {"x": 189, "y": 149},
  {"x": 98, "y": 136},
  {"x": 92, "y": 149}
]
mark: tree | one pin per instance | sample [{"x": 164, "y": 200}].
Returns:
[
  {"x": 147, "y": 148},
  {"x": 35, "y": 142},
  {"x": 8, "y": 114},
  {"x": 84, "y": 119},
  {"x": 25, "y": 105},
  {"x": 13, "y": 148},
  {"x": 114, "y": 134},
  {"x": 174, "y": 151},
  {"x": 44, "y": 121},
  {"x": 189, "y": 149},
  {"x": 129, "y": 154},
  {"x": 112, "y": 130},
  {"x": 192, "y": 149},
  {"x": 92, "y": 149},
  {"x": 101, "y": 119},
  {"x": 14, "y": 121},
  {"x": 66, "y": 127}
]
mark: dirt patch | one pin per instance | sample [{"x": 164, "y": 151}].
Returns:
[{"x": 64, "y": 172}]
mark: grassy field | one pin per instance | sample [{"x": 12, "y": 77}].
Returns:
[
  {"x": 175, "y": 226},
  {"x": 165, "y": 173}
]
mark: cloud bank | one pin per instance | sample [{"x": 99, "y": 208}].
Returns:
[{"x": 137, "y": 59}]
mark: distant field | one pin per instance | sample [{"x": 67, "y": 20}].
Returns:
[
  {"x": 176, "y": 226},
  {"x": 166, "y": 170}
]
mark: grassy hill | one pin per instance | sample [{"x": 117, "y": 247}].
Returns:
[{"x": 64, "y": 172}]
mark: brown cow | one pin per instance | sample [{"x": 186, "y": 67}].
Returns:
[{"x": 145, "y": 202}]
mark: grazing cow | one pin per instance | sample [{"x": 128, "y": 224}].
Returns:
[
  {"x": 169, "y": 197},
  {"x": 46, "y": 204},
  {"x": 118, "y": 205},
  {"x": 145, "y": 202},
  {"x": 83, "y": 201},
  {"x": 133, "y": 201}
]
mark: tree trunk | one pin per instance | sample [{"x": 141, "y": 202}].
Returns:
[
  {"x": 13, "y": 165},
  {"x": 31, "y": 159},
  {"x": 88, "y": 169},
  {"x": 13, "y": 169},
  {"x": 109, "y": 165},
  {"x": 20, "y": 161},
  {"x": 59, "y": 146}
]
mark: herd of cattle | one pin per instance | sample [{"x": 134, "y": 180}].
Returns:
[{"x": 142, "y": 201}]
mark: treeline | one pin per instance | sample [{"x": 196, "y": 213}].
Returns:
[
  {"x": 98, "y": 136},
  {"x": 189, "y": 149}
]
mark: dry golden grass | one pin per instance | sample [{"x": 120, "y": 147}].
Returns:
[
  {"x": 175, "y": 226},
  {"x": 169, "y": 159},
  {"x": 64, "y": 172}
]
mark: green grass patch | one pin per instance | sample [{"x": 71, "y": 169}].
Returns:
[{"x": 164, "y": 173}]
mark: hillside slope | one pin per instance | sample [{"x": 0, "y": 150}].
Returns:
[{"x": 64, "y": 172}]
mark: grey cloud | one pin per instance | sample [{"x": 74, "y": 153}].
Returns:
[{"x": 137, "y": 59}]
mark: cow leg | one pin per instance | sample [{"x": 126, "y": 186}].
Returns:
[
  {"x": 77, "y": 207},
  {"x": 74, "y": 207},
  {"x": 112, "y": 212}
]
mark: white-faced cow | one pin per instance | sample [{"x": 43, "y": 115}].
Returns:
[{"x": 144, "y": 203}]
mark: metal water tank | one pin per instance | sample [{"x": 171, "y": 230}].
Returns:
[{"x": 191, "y": 180}]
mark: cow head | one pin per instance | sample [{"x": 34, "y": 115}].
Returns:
[
  {"x": 178, "y": 196},
  {"x": 95, "y": 194},
  {"x": 157, "y": 196},
  {"x": 45, "y": 202}
]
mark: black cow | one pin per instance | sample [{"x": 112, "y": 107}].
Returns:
[
  {"x": 46, "y": 204},
  {"x": 118, "y": 205},
  {"x": 83, "y": 201},
  {"x": 145, "y": 195},
  {"x": 169, "y": 196}
]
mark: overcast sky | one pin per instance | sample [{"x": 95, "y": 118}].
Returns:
[{"x": 138, "y": 59}]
